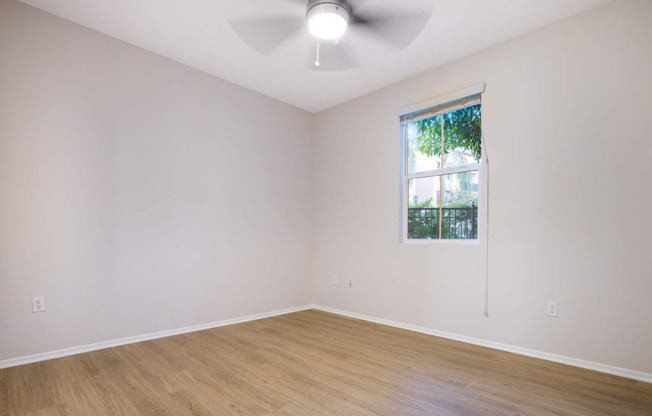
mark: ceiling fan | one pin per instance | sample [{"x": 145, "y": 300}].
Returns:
[{"x": 330, "y": 34}]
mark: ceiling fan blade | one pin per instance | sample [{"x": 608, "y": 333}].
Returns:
[
  {"x": 397, "y": 30},
  {"x": 332, "y": 57},
  {"x": 267, "y": 34}
]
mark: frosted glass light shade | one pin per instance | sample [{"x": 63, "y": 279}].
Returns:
[{"x": 327, "y": 21}]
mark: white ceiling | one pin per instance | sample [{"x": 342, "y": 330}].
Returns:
[{"x": 198, "y": 33}]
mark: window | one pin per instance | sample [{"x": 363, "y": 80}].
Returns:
[{"x": 440, "y": 168}]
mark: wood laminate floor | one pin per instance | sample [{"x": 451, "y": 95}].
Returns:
[{"x": 312, "y": 363}]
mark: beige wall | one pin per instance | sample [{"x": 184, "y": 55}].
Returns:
[
  {"x": 139, "y": 195},
  {"x": 566, "y": 118}
]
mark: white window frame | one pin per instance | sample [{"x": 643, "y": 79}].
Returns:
[{"x": 405, "y": 177}]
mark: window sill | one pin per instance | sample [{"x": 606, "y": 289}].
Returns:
[{"x": 475, "y": 242}]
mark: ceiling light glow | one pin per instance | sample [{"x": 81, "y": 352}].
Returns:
[{"x": 327, "y": 21}]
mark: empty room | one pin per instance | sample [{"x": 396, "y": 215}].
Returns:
[{"x": 325, "y": 207}]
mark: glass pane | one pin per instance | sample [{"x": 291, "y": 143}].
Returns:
[
  {"x": 420, "y": 147},
  {"x": 461, "y": 140},
  {"x": 423, "y": 211},
  {"x": 458, "y": 194},
  {"x": 462, "y": 137},
  {"x": 460, "y": 189},
  {"x": 459, "y": 208}
]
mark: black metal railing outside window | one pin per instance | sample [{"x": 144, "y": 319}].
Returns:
[{"x": 456, "y": 223}]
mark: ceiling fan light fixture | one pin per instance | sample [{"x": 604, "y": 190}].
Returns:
[{"x": 327, "y": 20}]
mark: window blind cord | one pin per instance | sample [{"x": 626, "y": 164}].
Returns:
[{"x": 486, "y": 266}]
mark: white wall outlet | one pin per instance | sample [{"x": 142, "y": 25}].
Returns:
[
  {"x": 38, "y": 304},
  {"x": 350, "y": 283},
  {"x": 333, "y": 280},
  {"x": 552, "y": 309}
]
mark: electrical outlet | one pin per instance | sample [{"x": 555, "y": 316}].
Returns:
[
  {"x": 38, "y": 304},
  {"x": 333, "y": 280},
  {"x": 552, "y": 309}
]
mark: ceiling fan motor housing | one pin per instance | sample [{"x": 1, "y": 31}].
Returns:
[
  {"x": 341, "y": 3},
  {"x": 327, "y": 19}
]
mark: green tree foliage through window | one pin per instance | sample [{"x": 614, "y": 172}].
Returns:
[{"x": 462, "y": 130}]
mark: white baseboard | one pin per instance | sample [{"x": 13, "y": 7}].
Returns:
[
  {"x": 12, "y": 362},
  {"x": 590, "y": 365}
]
